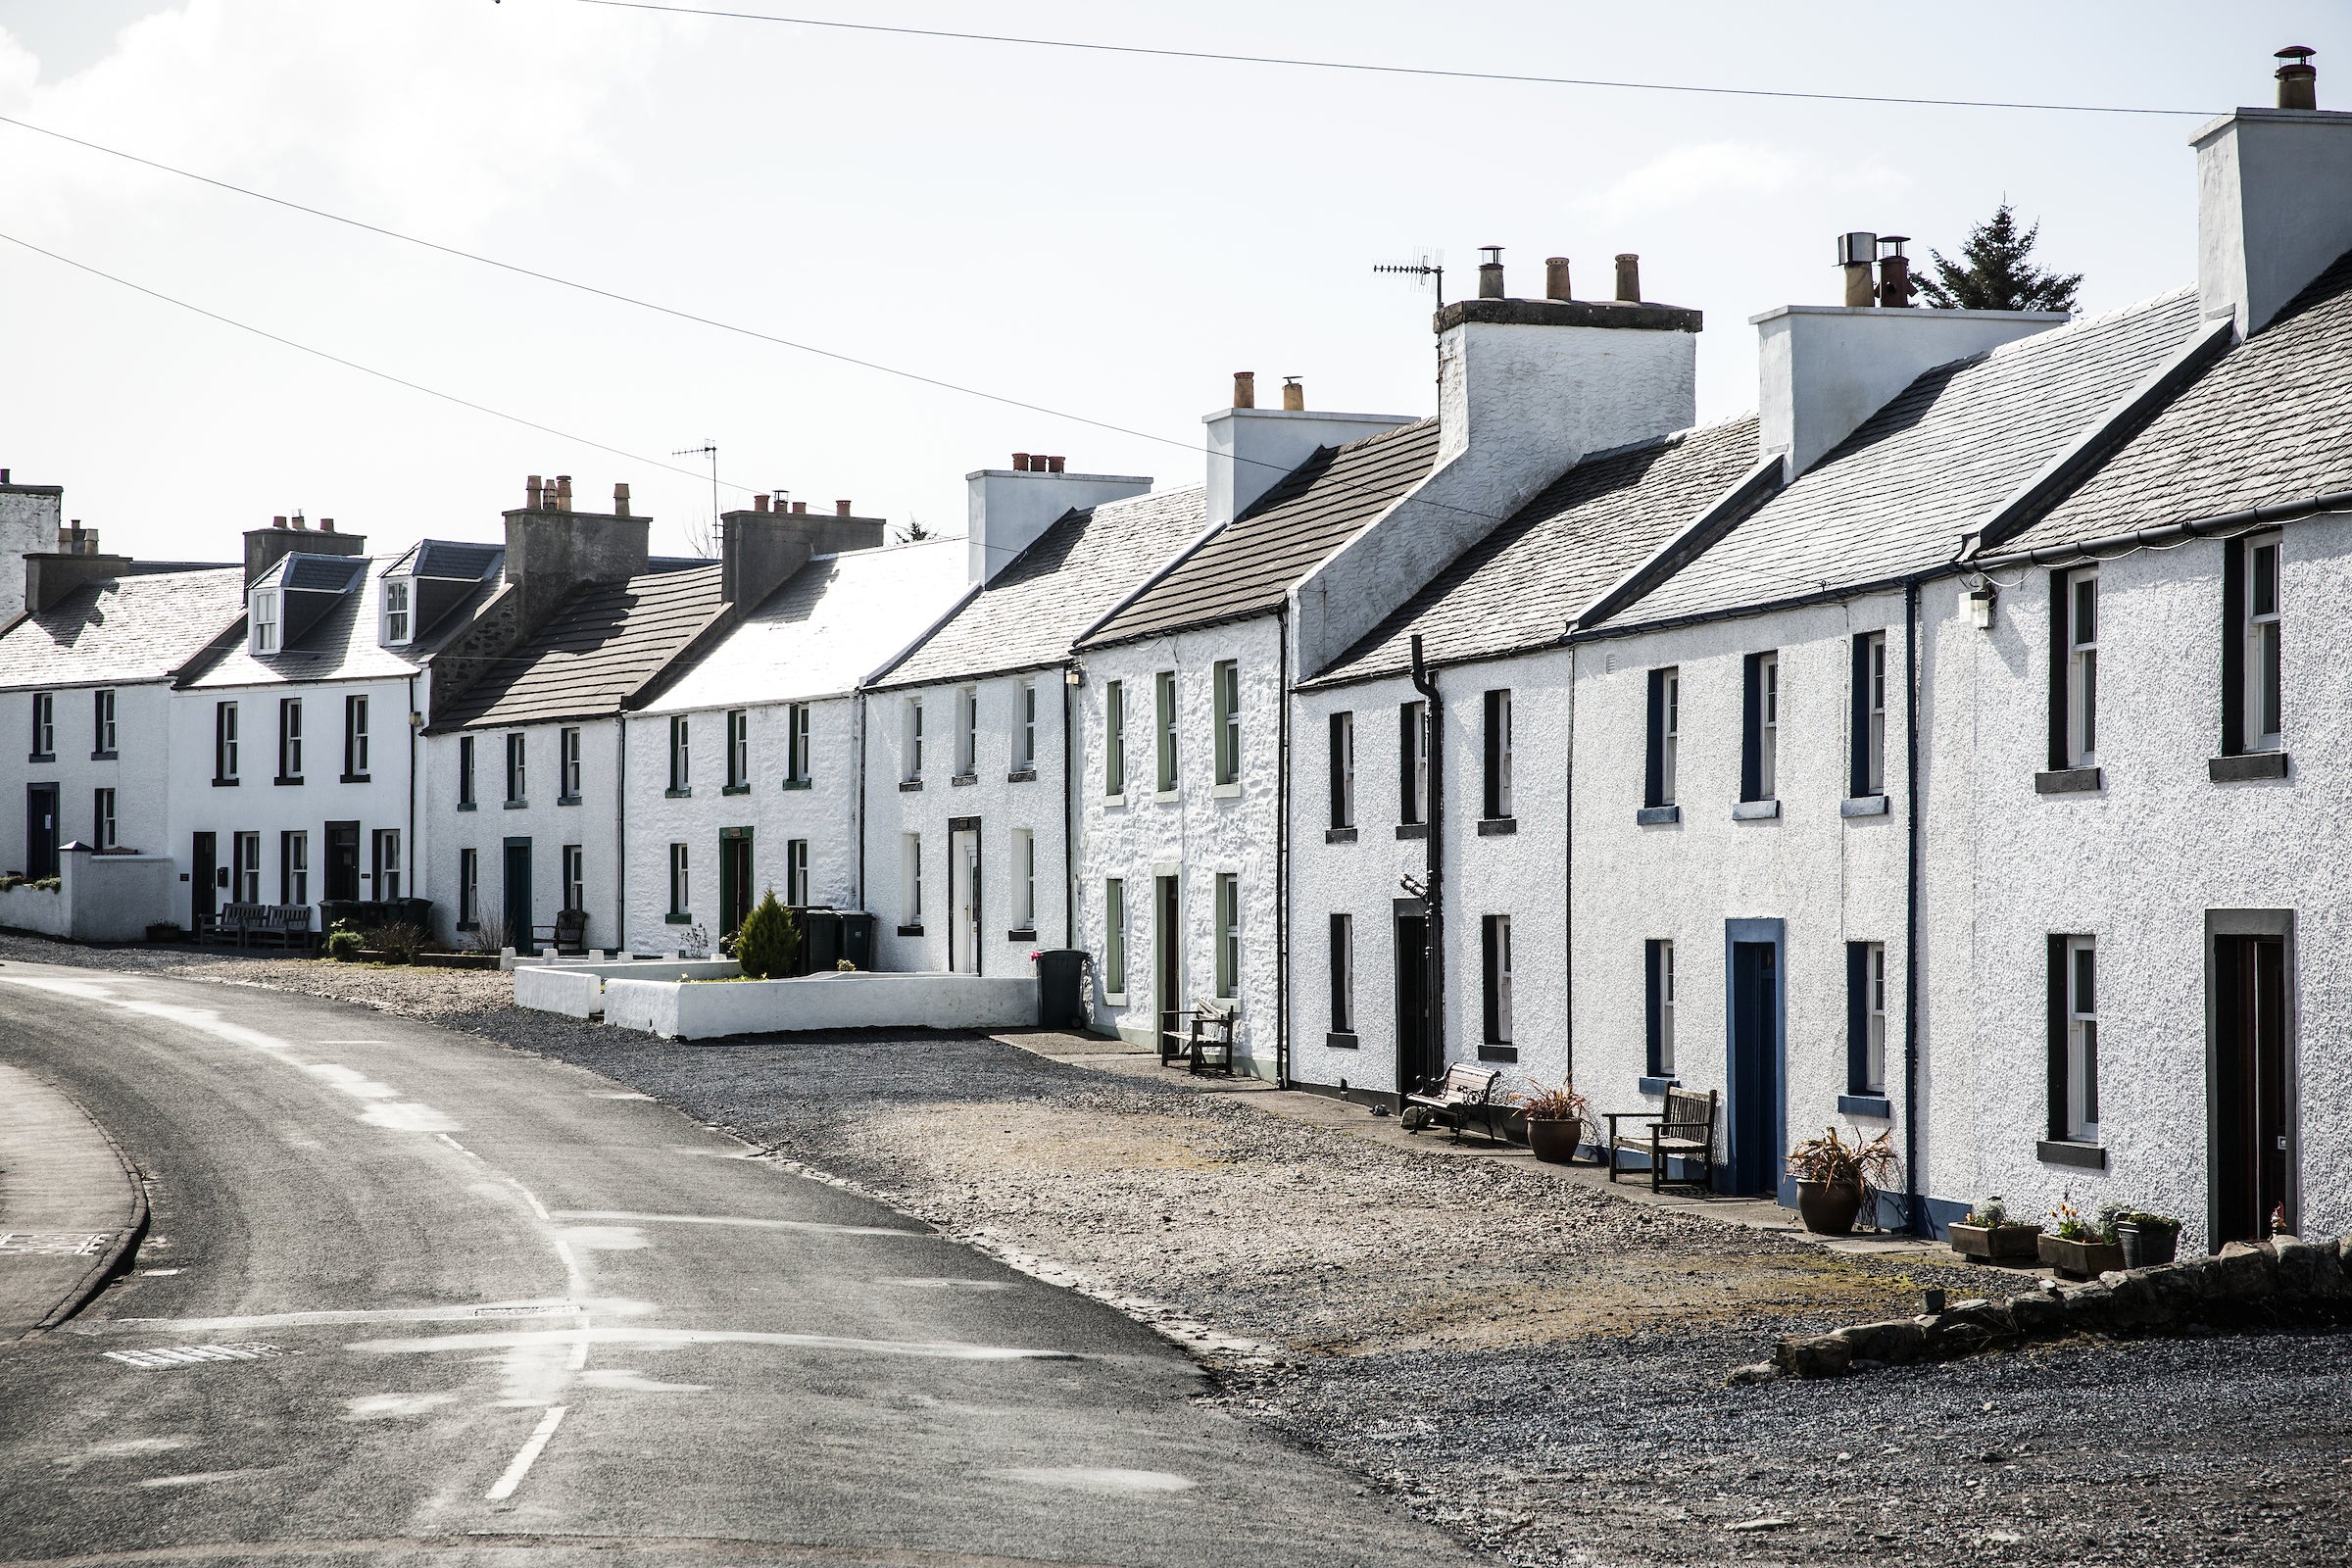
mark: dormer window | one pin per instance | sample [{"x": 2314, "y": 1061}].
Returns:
[
  {"x": 265, "y": 623},
  {"x": 396, "y": 611}
]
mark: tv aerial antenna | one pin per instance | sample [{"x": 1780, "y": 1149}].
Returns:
[
  {"x": 1426, "y": 264},
  {"x": 708, "y": 449}
]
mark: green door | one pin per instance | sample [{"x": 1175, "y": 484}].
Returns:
[{"x": 734, "y": 879}]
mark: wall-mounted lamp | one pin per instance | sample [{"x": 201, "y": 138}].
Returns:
[{"x": 1979, "y": 607}]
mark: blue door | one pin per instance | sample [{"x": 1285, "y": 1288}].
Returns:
[{"x": 1752, "y": 1118}]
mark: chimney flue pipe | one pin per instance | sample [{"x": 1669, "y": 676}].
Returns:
[
  {"x": 841, "y": 509},
  {"x": 1857, "y": 258},
  {"x": 2298, "y": 78},
  {"x": 1629, "y": 276},
  {"x": 800, "y": 509},
  {"x": 534, "y": 493},
  {"x": 1555, "y": 278},
  {"x": 563, "y": 492},
  {"x": 1020, "y": 463},
  {"x": 277, "y": 523},
  {"x": 1244, "y": 389},
  {"x": 326, "y": 526},
  {"x": 1895, "y": 273},
  {"x": 620, "y": 500},
  {"x": 1490, "y": 273},
  {"x": 1294, "y": 395},
  {"x": 758, "y": 503}
]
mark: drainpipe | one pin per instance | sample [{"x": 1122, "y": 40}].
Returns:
[
  {"x": 1913, "y": 1212},
  {"x": 1432, "y": 721},
  {"x": 1568, "y": 887},
  {"x": 1281, "y": 851},
  {"x": 415, "y": 855},
  {"x": 860, "y": 809},
  {"x": 621, "y": 825},
  {"x": 1069, "y": 819}
]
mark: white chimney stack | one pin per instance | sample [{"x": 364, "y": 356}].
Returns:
[
  {"x": 1010, "y": 506},
  {"x": 2273, "y": 200}
]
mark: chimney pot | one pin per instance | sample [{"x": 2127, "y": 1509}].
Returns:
[
  {"x": 841, "y": 509},
  {"x": 1555, "y": 278},
  {"x": 758, "y": 503},
  {"x": 277, "y": 523},
  {"x": 1629, "y": 276},
  {"x": 1490, "y": 273},
  {"x": 1895, "y": 273},
  {"x": 620, "y": 499},
  {"x": 3, "y": 476},
  {"x": 2298, "y": 78},
  {"x": 1857, "y": 256},
  {"x": 1244, "y": 389},
  {"x": 799, "y": 507},
  {"x": 1020, "y": 463},
  {"x": 1053, "y": 464},
  {"x": 326, "y": 526},
  {"x": 563, "y": 492},
  {"x": 1294, "y": 395},
  {"x": 532, "y": 491}
]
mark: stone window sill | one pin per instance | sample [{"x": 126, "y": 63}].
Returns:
[
  {"x": 907, "y": 784},
  {"x": 1339, "y": 835},
  {"x": 1167, "y": 797},
  {"x": 1021, "y": 775},
  {"x": 673, "y": 795},
  {"x": 1341, "y": 1040},
  {"x": 2067, "y": 1152},
  {"x": 2069, "y": 781},
  {"x": 1116, "y": 999},
  {"x": 1225, "y": 792},
  {"x": 2245, "y": 766},
  {"x": 805, "y": 784},
  {"x": 355, "y": 778},
  {"x": 1866, "y": 1104},
  {"x": 1757, "y": 811},
  {"x": 1024, "y": 934},
  {"x": 40, "y": 757},
  {"x": 1657, "y": 815},
  {"x": 567, "y": 800},
  {"x": 677, "y": 917},
  {"x": 109, "y": 757},
  {"x": 957, "y": 780},
  {"x": 911, "y": 930},
  {"x": 295, "y": 781},
  {"x": 524, "y": 803},
  {"x": 735, "y": 789},
  {"x": 1115, "y": 802},
  {"x": 1492, "y": 827},
  {"x": 1494, "y": 1052},
  {"x": 467, "y": 805},
  {"x": 218, "y": 783},
  {"x": 1412, "y": 830},
  {"x": 1658, "y": 1085},
  {"x": 1863, "y": 806}
]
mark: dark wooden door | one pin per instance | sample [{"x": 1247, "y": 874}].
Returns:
[
  {"x": 518, "y": 895},
  {"x": 40, "y": 830},
  {"x": 343, "y": 860},
  {"x": 1752, "y": 1118},
  {"x": 2253, "y": 1156},
  {"x": 734, "y": 879},
  {"x": 204, "y": 859},
  {"x": 1167, "y": 959},
  {"x": 1417, "y": 1063}
]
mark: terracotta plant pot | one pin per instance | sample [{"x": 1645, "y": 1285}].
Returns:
[
  {"x": 1980, "y": 1243},
  {"x": 1828, "y": 1209},
  {"x": 2079, "y": 1260},
  {"x": 1555, "y": 1142}
]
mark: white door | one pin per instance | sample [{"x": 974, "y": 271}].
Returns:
[{"x": 964, "y": 938}]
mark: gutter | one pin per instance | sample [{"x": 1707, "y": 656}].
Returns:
[
  {"x": 1434, "y": 862},
  {"x": 1914, "y": 1215},
  {"x": 2229, "y": 523}
]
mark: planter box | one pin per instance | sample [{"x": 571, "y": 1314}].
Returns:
[
  {"x": 677, "y": 1010},
  {"x": 1980, "y": 1243},
  {"x": 2079, "y": 1260}
]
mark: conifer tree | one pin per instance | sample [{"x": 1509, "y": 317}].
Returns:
[
  {"x": 769, "y": 941},
  {"x": 1996, "y": 272}
]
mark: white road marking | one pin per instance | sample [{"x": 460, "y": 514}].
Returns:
[
  {"x": 172, "y": 1355},
  {"x": 156, "y": 1273},
  {"x": 526, "y": 1456},
  {"x": 199, "y": 1479},
  {"x": 409, "y": 1116},
  {"x": 616, "y": 1093},
  {"x": 1088, "y": 1478},
  {"x": 351, "y": 1080},
  {"x": 355, "y": 1041},
  {"x": 384, "y": 1314},
  {"x": 460, "y": 1147},
  {"x": 54, "y": 1244},
  {"x": 376, "y": 1407},
  {"x": 930, "y": 1349},
  {"x": 732, "y": 1219}
]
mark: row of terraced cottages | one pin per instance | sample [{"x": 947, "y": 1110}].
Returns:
[{"x": 1950, "y": 748}]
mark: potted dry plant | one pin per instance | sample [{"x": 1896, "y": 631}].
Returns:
[
  {"x": 2077, "y": 1247},
  {"x": 1836, "y": 1179},
  {"x": 1989, "y": 1236},
  {"x": 2146, "y": 1239},
  {"x": 1555, "y": 1122}
]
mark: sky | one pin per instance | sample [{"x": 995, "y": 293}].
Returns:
[{"x": 1104, "y": 237}]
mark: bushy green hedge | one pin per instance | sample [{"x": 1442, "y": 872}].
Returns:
[{"x": 769, "y": 941}]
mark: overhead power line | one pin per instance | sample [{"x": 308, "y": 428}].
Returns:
[
  {"x": 1523, "y": 79},
  {"x": 354, "y": 364}
]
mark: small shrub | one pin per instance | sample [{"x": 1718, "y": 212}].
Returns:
[
  {"x": 490, "y": 935},
  {"x": 1563, "y": 1103},
  {"x": 343, "y": 943},
  {"x": 47, "y": 884},
  {"x": 770, "y": 940},
  {"x": 14, "y": 879},
  {"x": 399, "y": 942}
]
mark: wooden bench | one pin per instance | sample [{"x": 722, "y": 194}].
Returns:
[
  {"x": 1683, "y": 1130},
  {"x": 1201, "y": 1036},
  {"x": 257, "y": 926},
  {"x": 567, "y": 935},
  {"x": 1466, "y": 1092}
]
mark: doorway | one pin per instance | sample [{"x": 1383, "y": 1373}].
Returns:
[
  {"x": 40, "y": 830},
  {"x": 1167, "y": 959},
  {"x": 2253, "y": 1128},
  {"x": 963, "y": 895},
  {"x": 343, "y": 860},
  {"x": 517, "y": 896},
  {"x": 1753, "y": 1116},
  {"x": 734, "y": 879},
  {"x": 204, "y": 861},
  {"x": 1417, "y": 1063}
]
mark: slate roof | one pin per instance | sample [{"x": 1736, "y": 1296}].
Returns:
[
  {"x": 605, "y": 642},
  {"x": 342, "y": 644},
  {"x": 139, "y": 626},
  {"x": 1248, "y": 566},
  {"x": 834, "y": 622},
  {"x": 1064, "y": 581},
  {"x": 318, "y": 574},
  {"x": 450, "y": 558},
  {"x": 1898, "y": 495},
  {"x": 2270, "y": 423},
  {"x": 1519, "y": 586}
]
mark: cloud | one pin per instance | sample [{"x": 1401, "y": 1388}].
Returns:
[
  {"x": 436, "y": 114},
  {"x": 1730, "y": 172}
]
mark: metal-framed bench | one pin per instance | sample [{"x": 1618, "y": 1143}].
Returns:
[
  {"x": 1683, "y": 1130},
  {"x": 1467, "y": 1092},
  {"x": 1204, "y": 1043}
]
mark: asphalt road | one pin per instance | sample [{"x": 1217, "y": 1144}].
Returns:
[{"x": 424, "y": 1299}]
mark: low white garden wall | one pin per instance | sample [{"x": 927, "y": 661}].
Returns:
[
  {"x": 577, "y": 990},
  {"x": 864, "y": 999},
  {"x": 30, "y": 909}
]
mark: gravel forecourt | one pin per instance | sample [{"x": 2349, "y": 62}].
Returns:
[{"x": 1535, "y": 1365}]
